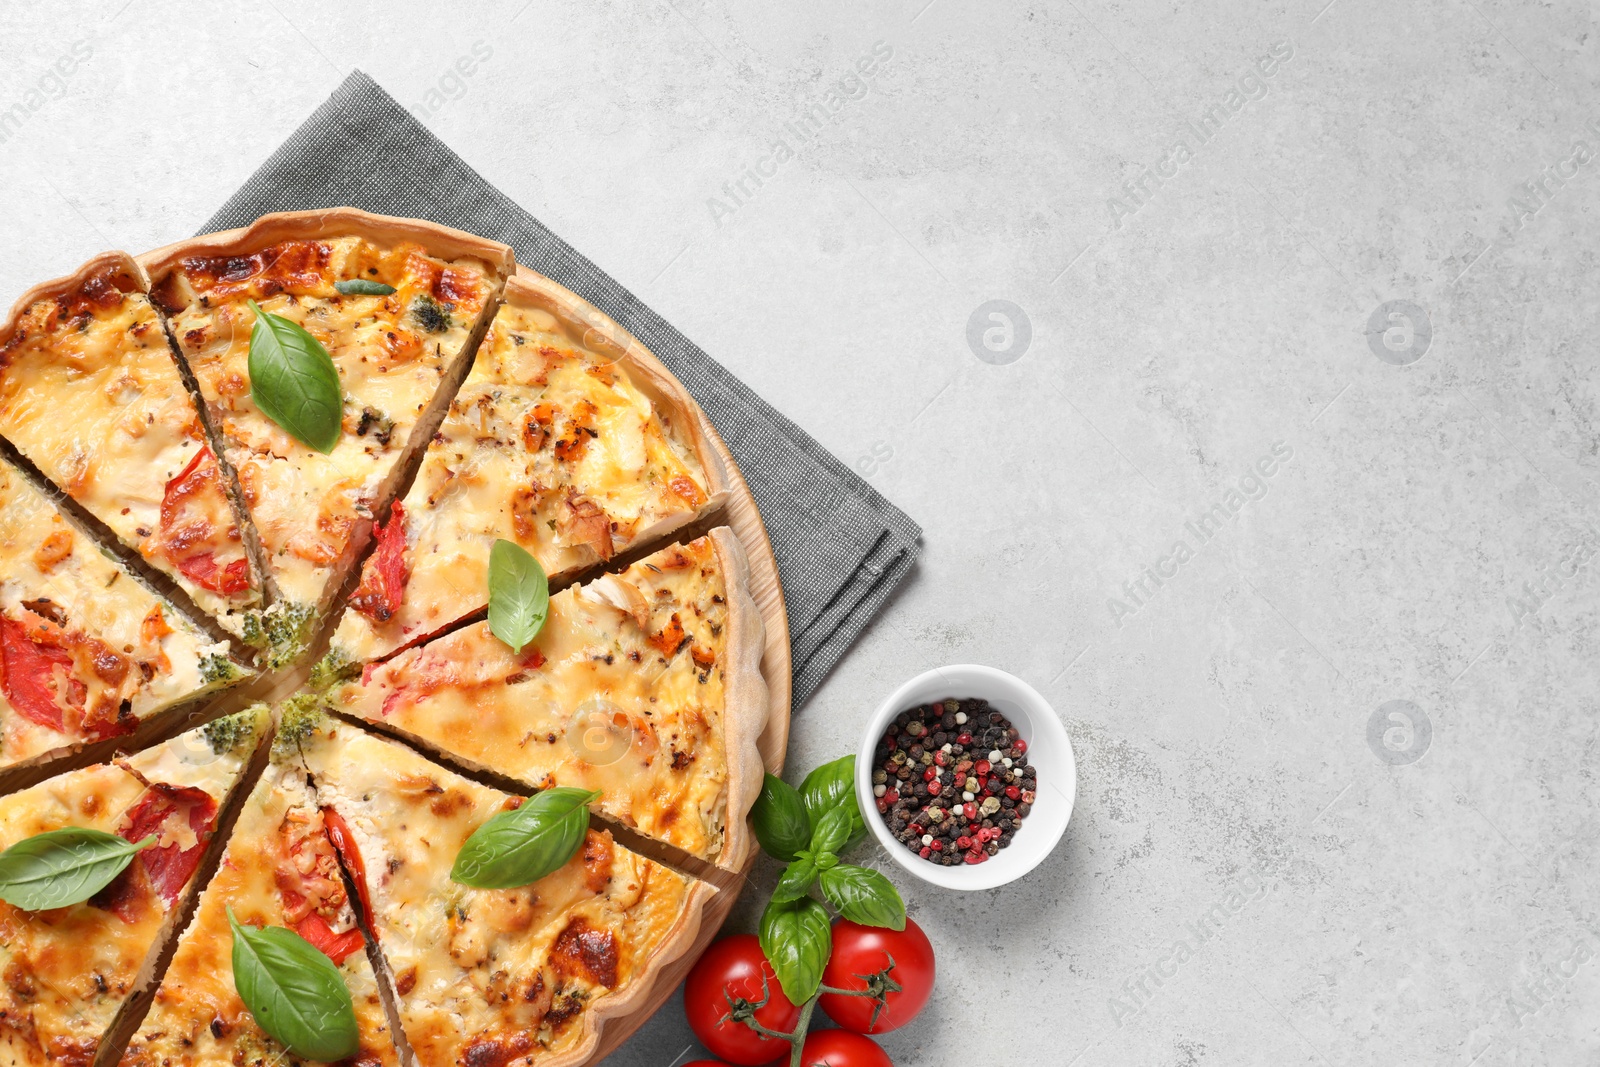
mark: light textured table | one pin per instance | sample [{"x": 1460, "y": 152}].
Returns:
[{"x": 1431, "y": 538}]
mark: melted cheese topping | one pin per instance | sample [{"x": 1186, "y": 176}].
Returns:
[
  {"x": 486, "y": 976},
  {"x": 622, "y": 691},
  {"x": 392, "y": 352},
  {"x": 64, "y": 973},
  {"x": 90, "y": 393},
  {"x": 83, "y": 639},
  {"x": 197, "y": 1016},
  {"x": 548, "y": 444}
]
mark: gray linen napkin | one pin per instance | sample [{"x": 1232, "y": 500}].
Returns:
[{"x": 841, "y": 547}]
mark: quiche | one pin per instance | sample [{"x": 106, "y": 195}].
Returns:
[
  {"x": 643, "y": 684},
  {"x": 86, "y": 650},
  {"x": 399, "y": 354},
  {"x": 144, "y": 487},
  {"x": 509, "y": 977},
  {"x": 91, "y": 395},
  {"x": 567, "y": 438},
  {"x": 280, "y": 869},
  {"x": 68, "y": 972}
]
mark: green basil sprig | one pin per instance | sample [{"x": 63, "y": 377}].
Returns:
[
  {"x": 519, "y": 847},
  {"x": 796, "y": 879},
  {"x": 833, "y": 785},
  {"x": 782, "y": 826},
  {"x": 808, "y": 828},
  {"x": 519, "y": 594},
  {"x": 295, "y": 993},
  {"x": 363, "y": 287},
  {"x": 293, "y": 380},
  {"x": 61, "y": 867},
  {"x": 797, "y": 940},
  {"x": 833, "y": 829},
  {"x": 864, "y": 896}
]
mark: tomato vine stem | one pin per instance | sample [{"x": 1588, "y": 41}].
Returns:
[{"x": 879, "y": 986}]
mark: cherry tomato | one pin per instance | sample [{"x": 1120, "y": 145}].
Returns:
[
  {"x": 734, "y": 967},
  {"x": 840, "y": 1048},
  {"x": 866, "y": 950},
  {"x": 705, "y": 1063}
]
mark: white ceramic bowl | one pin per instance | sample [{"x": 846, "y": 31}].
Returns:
[{"x": 1049, "y": 750}]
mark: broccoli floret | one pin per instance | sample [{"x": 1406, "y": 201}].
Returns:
[
  {"x": 226, "y": 733},
  {"x": 218, "y": 669},
  {"x": 255, "y": 635},
  {"x": 298, "y": 721},
  {"x": 285, "y": 626},
  {"x": 430, "y": 314},
  {"x": 332, "y": 669}
]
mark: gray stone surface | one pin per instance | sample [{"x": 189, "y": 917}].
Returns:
[{"x": 1437, "y": 910}]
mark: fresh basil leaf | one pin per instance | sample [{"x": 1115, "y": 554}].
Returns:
[
  {"x": 795, "y": 880},
  {"x": 833, "y": 830},
  {"x": 61, "y": 867},
  {"x": 827, "y": 785},
  {"x": 797, "y": 940},
  {"x": 295, "y": 993},
  {"x": 293, "y": 380},
  {"x": 780, "y": 819},
  {"x": 833, "y": 784},
  {"x": 864, "y": 896},
  {"x": 519, "y": 847},
  {"x": 363, "y": 287},
  {"x": 519, "y": 594}
]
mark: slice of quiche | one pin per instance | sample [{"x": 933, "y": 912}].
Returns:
[
  {"x": 69, "y": 971},
  {"x": 91, "y": 395},
  {"x": 510, "y": 977},
  {"x": 645, "y": 685},
  {"x": 568, "y": 438},
  {"x": 280, "y": 869},
  {"x": 86, "y": 651},
  {"x": 401, "y": 342}
]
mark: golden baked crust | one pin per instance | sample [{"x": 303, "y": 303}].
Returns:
[
  {"x": 644, "y": 684},
  {"x": 280, "y": 869},
  {"x": 513, "y": 977},
  {"x": 133, "y": 451},
  {"x": 399, "y": 359},
  {"x": 86, "y": 651},
  {"x": 67, "y": 972},
  {"x": 442, "y": 241},
  {"x": 567, "y": 438}
]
